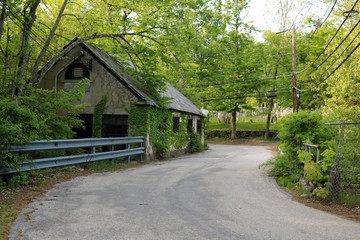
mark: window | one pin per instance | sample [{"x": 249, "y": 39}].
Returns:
[
  {"x": 198, "y": 126},
  {"x": 115, "y": 125},
  {"x": 190, "y": 125},
  {"x": 76, "y": 71},
  {"x": 176, "y": 121}
]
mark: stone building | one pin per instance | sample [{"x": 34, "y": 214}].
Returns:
[{"x": 108, "y": 77}]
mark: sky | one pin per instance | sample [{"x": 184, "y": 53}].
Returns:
[{"x": 261, "y": 12}]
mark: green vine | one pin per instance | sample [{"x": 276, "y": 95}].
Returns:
[
  {"x": 97, "y": 120},
  {"x": 158, "y": 122}
]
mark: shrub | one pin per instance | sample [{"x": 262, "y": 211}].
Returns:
[
  {"x": 43, "y": 114},
  {"x": 195, "y": 144},
  {"x": 296, "y": 129}
]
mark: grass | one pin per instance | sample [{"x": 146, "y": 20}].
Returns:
[
  {"x": 244, "y": 124},
  {"x": 350, "y": 199},
  {"x": 13, "y": 200}
]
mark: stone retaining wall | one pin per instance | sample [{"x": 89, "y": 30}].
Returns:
[{"x": 239, "y": 134}]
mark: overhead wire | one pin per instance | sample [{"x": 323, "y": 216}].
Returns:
[
  {"x": 341, "y": 53},
  {"x": 238, "y": 82},
  {"x": 335, "y": 49},
  {"x": 318, "y": 84},
  {"x": 37, "y": 39},
  {"x": 239, "y": 97},
  {"x": 332, "y": 38},
  {"x": 322, "y": 23}
]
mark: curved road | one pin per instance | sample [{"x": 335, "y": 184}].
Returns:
[{"x": 217, "y": 194}]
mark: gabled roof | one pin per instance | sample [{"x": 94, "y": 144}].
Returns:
[
  {"x": 177, "y": 100},
  {"x": 119, "y": 72}
]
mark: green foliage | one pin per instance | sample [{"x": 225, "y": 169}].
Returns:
[
  {"x": 195, "y": 144},
  {"x": 284, "y": 167},
  {"x": 181, "y": 137},
  {"x": 18, "y": 180},
  {"x": 241, "y": 125},
  {"x": 160, "y": 130},
  {"x": 321, "y": 192},
  {"x": 350, "y": 199},
  {"x": 158, "y": 122},
  {"x": 18, "y": 124},
  {"x": 305, "y": 127},
  {"x": 98, "y": 114},
  {"x": 311, "y": 168},
  {"x": 45, "y": 114}
]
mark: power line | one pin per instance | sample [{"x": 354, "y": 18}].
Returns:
[
  {"x": 322, "y": 23},
  {"x": 337, "y": 31},
  {"x": 232, "y": 81},
  {"x": 342, "y": 53},
  {"x": 347, "y": 57},
  {"x": 335, "y": 49},
  {"x": 239, "y": 97},
  {"x": 22, "y": 28}
]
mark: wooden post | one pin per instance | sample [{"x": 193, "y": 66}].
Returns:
[{"x": 294, "y": 69}]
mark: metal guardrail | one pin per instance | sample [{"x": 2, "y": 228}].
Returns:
[
  {"x": 92, "y": 143},
  {"x": 308, "y": 148}
]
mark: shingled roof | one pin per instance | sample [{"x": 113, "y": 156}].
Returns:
[{"x": 177, "y": 100}]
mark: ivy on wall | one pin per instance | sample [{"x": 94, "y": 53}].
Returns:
[
  {"x": 158, "y": 122},
  {"x": 97, "y": 120}
]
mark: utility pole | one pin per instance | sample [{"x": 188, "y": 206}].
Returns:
[{"x": 294, "y": 70}]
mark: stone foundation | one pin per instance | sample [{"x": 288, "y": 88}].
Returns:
[{"x": 239, "y": 134}]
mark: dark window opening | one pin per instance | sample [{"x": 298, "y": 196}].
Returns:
[
  {"x": 176, "y": 121},
  {"x": 189, "y": 125},
  {"x": 198, "y": 126},
  {"x": 112, "y": 126},
  {"x": 85, "y": 132},
  {"x": 76, "y": 71},
  {"x": 115, "y": 126}
]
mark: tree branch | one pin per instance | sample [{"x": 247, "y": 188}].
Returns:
[{"x": 47, "y": 43}]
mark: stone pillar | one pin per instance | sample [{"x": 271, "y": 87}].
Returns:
[{"x": 149, "y": 152}]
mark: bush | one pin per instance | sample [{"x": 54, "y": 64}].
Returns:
[
  {"x": 195, "y": 144},
  {"x": 43, "y": 114},
  {"x": 296, "y": 129}
]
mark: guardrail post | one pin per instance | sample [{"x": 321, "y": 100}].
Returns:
[
  {"x": 141, "y": 155},
  {"x": 317, "y": 154},
  {"x": 128, "y": 147},
  {"x": 112, "y": 149}
]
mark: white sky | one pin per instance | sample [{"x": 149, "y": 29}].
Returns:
[{"x": 262, "y": 13}]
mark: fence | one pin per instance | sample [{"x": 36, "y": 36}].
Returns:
[
  {"x": 344, "y": 179},
  {"x": 92, "y": 143},
  {"x": 308, "y": 148}
]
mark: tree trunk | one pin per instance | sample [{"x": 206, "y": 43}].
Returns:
[
  {"x": 47, "y": 43},
  {"x": 233, "y": 124},
  {"x": 27, "y": 27},
  {"x": 6, "y": 55},
  {"x": 267, "y": 131},
  {"x": 2, "y": 19}
]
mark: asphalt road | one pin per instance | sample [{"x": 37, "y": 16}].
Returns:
[{"x": 217, "y": 194}]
